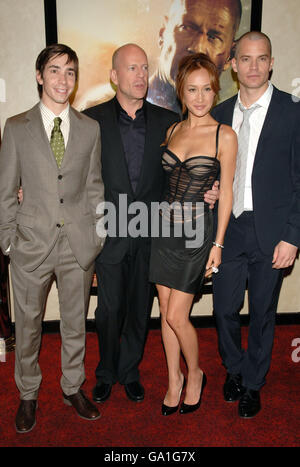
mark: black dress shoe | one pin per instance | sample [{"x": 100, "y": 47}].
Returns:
[
  {"x": 188, "y": 408},
  {"x": 101, "y": 392},
  {"x": 249, "y": 404},
  {"x": 135, "y": 391},
  {"x": 168, "y": 410},
  {"x": 25, "y": 418},
  {"x": 233, "y": 389}
]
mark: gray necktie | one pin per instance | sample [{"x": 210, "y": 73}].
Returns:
[{"x": 241, "y": 162}]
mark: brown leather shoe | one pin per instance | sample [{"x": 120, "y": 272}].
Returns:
[
  {"x": 25, "y": 419},
  {"x": 84, "y": 408}
]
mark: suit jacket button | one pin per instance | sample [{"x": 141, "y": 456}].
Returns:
[
  {"x": 61, "y": 201},
  {"x": 60, "y": 177},
  {"x": 58, "y": 225}
]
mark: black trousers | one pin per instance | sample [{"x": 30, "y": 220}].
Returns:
[
  {"x": 243, "y": 262},
  {"x": 125, "y": 298}
]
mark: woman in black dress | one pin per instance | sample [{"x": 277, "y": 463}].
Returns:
[{"x": 196, "y": 150}]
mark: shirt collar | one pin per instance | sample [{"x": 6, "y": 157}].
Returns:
[
  {"x": 49, "y": 116},
  {"x": 120, "y": 109},
  {"x": 263, "y": 101}
]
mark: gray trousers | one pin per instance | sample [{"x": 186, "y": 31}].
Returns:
[{"x": 30, "y": 293}]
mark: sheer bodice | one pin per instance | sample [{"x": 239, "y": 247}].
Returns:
[
  {"x": 179, "y": 253},
  {"x": 188, "y": 180}
]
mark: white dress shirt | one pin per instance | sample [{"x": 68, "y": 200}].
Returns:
[
  {"x": 48, "y": 120},
  {"x": 256, "y": 123}
]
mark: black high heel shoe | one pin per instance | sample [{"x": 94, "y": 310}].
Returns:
[
  {"x": 166, "y": 409},
  {"x": 188, "y": 408}
]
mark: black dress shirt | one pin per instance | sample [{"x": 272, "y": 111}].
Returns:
[{"x": 133, "y": 132}]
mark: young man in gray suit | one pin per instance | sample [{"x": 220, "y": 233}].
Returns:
[{"x": 55, "y": 151}]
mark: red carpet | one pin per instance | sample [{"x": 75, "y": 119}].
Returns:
[{"x": 125, "y": 423}]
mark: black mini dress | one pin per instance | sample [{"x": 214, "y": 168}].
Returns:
[{"x": 184, "y": 234}]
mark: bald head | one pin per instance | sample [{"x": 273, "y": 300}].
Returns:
[
  {"x": 234, "y": 7},
  {"x": 253, "y": 36},
  {"x": 124, "y": 51},
  {"x": 130, "y": 74}
]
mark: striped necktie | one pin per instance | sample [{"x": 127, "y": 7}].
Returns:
[{"x": 241, "y": 162}]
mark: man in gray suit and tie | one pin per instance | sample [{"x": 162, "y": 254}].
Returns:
[{"x": 55, "y": 151}]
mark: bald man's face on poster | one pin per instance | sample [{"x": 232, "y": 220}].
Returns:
[
  {"x": 194, "y": 26},
  {"x": 167, "y": 30}
]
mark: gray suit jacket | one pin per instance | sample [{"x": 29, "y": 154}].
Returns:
[{"x": 51, "y": 195}]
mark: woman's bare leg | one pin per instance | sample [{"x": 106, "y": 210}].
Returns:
[
  {"x": 172, "y": 350},
  {"x": 179, "y": 305}
]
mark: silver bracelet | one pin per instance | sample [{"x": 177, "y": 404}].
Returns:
[{"x": 218, "y": 245}]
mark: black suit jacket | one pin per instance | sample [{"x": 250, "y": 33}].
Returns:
[
  {"x": 276, "y": 170},
  {"x": 115, "y": 173}
]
